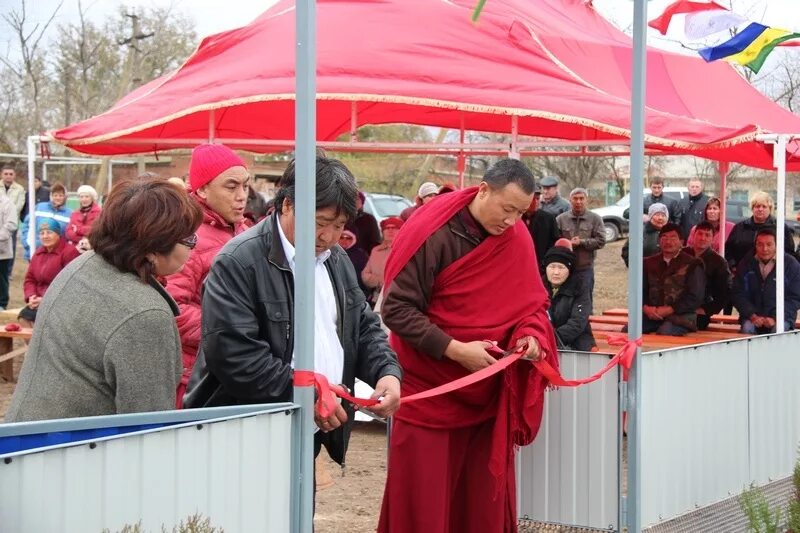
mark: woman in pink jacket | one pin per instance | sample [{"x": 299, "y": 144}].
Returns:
[
  {"x": 219, "y": 182},
  {"x": 712, "y": 215},
  {"x": 372, "y": 275}
]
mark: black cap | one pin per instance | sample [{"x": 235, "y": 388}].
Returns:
[
  {"x": 549, "y": 181},
  {"x": 559, "y": 254}
]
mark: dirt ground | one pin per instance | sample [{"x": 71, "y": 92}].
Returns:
[{"x": 352, "y": 503}]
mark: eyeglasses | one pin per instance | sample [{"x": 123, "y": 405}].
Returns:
[{"x": 190, "y": 242}]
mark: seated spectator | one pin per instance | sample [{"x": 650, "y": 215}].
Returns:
[
  {"x": 358, "y": 257},
  {"x": 372, "y": 275},
  {"x": 50, "y": 258},
  {"x": 741, "y": 241},
  {"x": 80, "y": 221},
  {"x": 426, "y": 192},
  {"x": 753, "y": 293},
  {"x": 657, "y": 217},
  {"x": 713, "y": 213},
  {"x": 542, "y": 226},
  {"x": 673, "y": 287},
  {"x": 106, "y": 341},
  {"x": 570, "y": 306},
  {"x": 53, "y": 209},
  {"x": 718, "y": 276}
]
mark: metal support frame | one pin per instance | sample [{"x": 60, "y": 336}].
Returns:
[
  {"x": 724, "y": 168},
  {"x": 212, "y": 125},
  {"x": 631, "y": 510},
  {"x": 513, "y": 150},
  {"x": 304, "y": 286}
]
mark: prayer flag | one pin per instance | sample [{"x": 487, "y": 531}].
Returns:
[
  {"x": 661, "y": 23},
  {"x": 700, "y": 25},
  {"x": 734, "y": 45},
  {"x": 756, "y": 64},
  {"x": 753, "y": 49}
]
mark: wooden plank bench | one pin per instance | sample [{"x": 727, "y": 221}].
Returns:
[
  {"x": 8, "y": 353},
  {"x": 9, "y": 315},
  {"x": 715, "y": 319}
]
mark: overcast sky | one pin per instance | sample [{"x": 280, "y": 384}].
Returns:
[{"x": 212, "y": 16}]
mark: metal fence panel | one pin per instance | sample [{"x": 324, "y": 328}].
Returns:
[
  {"x": 233, "y": 470},
  {"x": 569, "y": 474},
  {"x": 774, "y": 406}
]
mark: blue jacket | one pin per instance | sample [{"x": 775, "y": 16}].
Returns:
[
  {"x": 43, "y": 210},
  {"x": 752, "y": 294}
]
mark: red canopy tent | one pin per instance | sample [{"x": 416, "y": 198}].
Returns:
[{"x": 553, "y": 69}]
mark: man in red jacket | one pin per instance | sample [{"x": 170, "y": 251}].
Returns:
[
  {"x": 219, "y": 181},
  {"x": 460, "y": 273},
  {"x": 82, "y": 219}
]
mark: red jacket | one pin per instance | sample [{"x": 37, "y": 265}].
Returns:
[
  {"x": 80, "y": 223},
  {"x": 185, "y": 286},
  {"x": 45, "y": 266}
]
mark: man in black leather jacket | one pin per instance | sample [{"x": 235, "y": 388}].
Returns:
[{"x": 247, "y": 346}]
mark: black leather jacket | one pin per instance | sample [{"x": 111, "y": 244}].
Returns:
[{"x": 248, "y": 335}]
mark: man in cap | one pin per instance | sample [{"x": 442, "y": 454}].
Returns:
[
  {"x": 54, "y": 209},
  {"x": 219, "y": 182},
  {"x": 552, "y": 202},
  {"x": 460, "y": 274},
  {"x": 542, "y": 227},
  {"x": 585, "y": 231},
  {"x": 426, "y": 192},
  {"x": 80, "y": 221}
]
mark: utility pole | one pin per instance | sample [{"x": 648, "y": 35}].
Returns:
[{"x": 131, "y": 75}]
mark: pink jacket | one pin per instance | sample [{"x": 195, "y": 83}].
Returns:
[
  {"x": 185, "y": 286},
  {"x": 80, "y": 223}
]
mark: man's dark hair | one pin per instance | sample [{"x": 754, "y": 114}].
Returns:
[
  {"x": 336, "y": 187},
  {"x": 670, "y": 226},
  {"x": 656, "y": 180},
  {"x": 704, "y": 225},
  {"x": 508, "y": 171},
  {"x": 766, "y": 231},
  {"x": 9, "y": 166}
]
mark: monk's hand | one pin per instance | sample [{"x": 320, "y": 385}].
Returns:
[
  {"x": 387, "y": 389},
  {"x": 533, "y": 351},
  {"x": 334, "y": 420},
  {"x": 471, "y": 355}
]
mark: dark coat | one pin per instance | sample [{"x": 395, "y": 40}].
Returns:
[
  {"x": 248, "y": 329},
  {"x": 742, "y": 240},
  {"x": 751, "y": 294},
  {"x": 544, "y": 232},
  {"x": 569, "y": 312},
  {"x": 650, "y": 244},
  {"x": 681, "y": 284},
  {"x": 718, "y": 280},
  {"x": 368, "y": 234},
  {"x": 556, "y": 206},
  {"x": 691, "y": 211}
]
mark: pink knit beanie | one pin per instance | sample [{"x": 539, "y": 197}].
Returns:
[{"x": 209, "y": 161}]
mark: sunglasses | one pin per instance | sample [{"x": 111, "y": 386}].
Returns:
[{"x": 190, "y": 242}]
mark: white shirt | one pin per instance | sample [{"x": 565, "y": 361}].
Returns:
[{"x": 328, "y": 351}]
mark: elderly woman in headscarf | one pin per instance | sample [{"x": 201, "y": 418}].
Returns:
[
  {"x": 372, "y": 276},
  {"x": 659, "y": 216},
  {"x": 52, "y": 256},
  {"x": 570, "y": 306}
]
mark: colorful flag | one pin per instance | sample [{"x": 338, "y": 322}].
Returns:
[
  {"x": 661, "y": 23},
  {"x": 756, "y": 64},
  {"x": 700, "y": 25},
  {"x": 735, "y": 44},
  {"x": 759, "y": 43}
]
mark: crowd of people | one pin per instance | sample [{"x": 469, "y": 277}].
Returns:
[{"x": 183, "y": 297}]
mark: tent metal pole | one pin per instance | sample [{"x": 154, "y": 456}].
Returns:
[
  {"x": 724, "y": 168},
  {"x": 353, "y": 122},
  {"x": 461, "y": 156},
  {"x": 633, "y": 506},
  {"x": 305, "y": 208},
  {"x": 31, "y": 236},
  {"x": 513, "y": 149},
  {"x": 779, "y": 158},
  {"x": 110, "y": 176},
  {"x": 212, "y": 125}
]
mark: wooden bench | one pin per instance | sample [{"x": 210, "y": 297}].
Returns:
[
  {"x": 9, "y": 315},
  {"x": 8, "y": 353},
  {"x": 715, "y": 319}
]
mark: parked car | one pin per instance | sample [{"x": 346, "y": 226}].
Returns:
[
  {"x": 614, "y": 219},
  {"x": 382, "y": 205}
]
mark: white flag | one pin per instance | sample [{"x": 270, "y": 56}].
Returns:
[{"x": 704, "y": 23}]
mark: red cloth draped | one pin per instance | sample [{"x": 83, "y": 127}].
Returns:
[{"x": 494, "y": 293}]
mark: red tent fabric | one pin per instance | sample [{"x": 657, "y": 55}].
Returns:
[{"x": 556, "y": 64}]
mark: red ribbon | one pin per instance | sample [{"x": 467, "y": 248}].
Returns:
[{"x": 326, "y": 403}]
